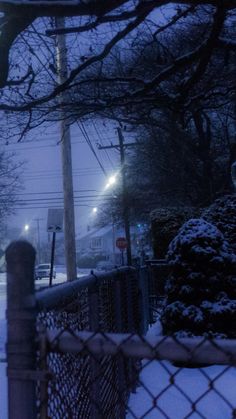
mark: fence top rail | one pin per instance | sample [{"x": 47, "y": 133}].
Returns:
[
  {"x": 156, "y": 262},
  {"x": 59, "y": 295},
  {"x": 185, "y": 350}
]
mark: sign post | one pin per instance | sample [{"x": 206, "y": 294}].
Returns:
[
  {"x": 54, "y": 225},
  {"x": 122, "y": 244}
]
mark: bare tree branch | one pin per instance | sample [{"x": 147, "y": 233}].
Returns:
[
  {"x": 10, "y": 28},
  {"x": 74, "y": 73},
  {"x": 206, "y": 52}
]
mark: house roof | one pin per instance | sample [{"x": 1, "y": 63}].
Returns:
[
  {"x": 96, "y": 232},
  {"x": 101, "y": 232}
]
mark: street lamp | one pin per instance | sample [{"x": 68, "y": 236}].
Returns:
[
  {"x": 233, "y": 174},
  {"x": 111, "y": 181},
  {"x": 26, "y": 227}
]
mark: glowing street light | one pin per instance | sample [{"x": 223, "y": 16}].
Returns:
[
  {"x": 95, "y": 210},
  {"x": 111, "y": 181},
  {"x": 26, "y": 227}
]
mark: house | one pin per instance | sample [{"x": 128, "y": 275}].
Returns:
[{"x": 102, "y": 242}]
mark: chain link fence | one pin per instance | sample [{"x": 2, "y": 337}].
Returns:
[
  {"x": 78, "y": 351},
  {"x": 88, "y": 385},
  {"x": 169, "y": 378}
]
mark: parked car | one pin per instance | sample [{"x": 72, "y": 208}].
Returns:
[
  {"x": 43, "y": 271},
  {"x": 104, "y": 265}
]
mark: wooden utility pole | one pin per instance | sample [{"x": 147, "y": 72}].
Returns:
[
  {"x": 126, "y": 216},
  {"x": 69, "y": 217},
  {"x": 125, "y": 196},
  {"x": 38, "y": 239}
]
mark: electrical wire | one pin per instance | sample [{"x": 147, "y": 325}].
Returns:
[
  {"x": 87, "y": 139},
  {"x": 101, "y": 140}
]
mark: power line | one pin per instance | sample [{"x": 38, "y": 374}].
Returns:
[
  {"x": 48, "y": 207},
  {"x": 51, "y": 192},
  {"x": 61, "y": 198},
  {"x": 87, "y": 139},
  {"x": 101, "y": 139},
  {"x": 39, "y": 146}
]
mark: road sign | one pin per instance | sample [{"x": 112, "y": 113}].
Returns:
[
  {"x": 55, "y": 220},
  {"x": 121, "y": 243}
]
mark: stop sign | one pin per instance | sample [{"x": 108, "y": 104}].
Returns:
[{"x": 121, "y": 243}]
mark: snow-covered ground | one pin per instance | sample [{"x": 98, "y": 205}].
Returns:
[
  {"x": 3, "y": 383},
  {"x": 155, "y": 382},
  {"x": 60, "y": 278}
]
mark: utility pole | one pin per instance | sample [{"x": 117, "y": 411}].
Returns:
[
  {"x": 38, "y": 241},
  {"x": 126, "y": 216},
  {"x": 69, "y": 217},
  {"x": 125, "y": 196}
]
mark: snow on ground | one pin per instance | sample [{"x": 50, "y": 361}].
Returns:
[
  {"x": 3, "y": 391},
  {"x": 3, "y": 381},
  {"x": 61, "y": 277},
  {"x": 192, "y": 382},
  {"x": 155, "y": 376}
]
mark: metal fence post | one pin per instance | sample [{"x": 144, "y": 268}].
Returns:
[
  {"x": 21, "y": 319},
  {"x": 133, "y": 321},
  {"x": 93, "y": 300},
  {"x": 120, "y": 359},
  {"x": 130, "y": 302},
  {"x": 144, "y": 299}
]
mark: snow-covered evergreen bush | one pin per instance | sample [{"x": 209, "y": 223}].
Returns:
[
  {"x": 165, "y": 224},
  {"x": 201, "y": 289},
  {"x": 222, "y": 213}
]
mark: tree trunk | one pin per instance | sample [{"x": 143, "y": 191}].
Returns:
[{"x": 204, "y": 154}]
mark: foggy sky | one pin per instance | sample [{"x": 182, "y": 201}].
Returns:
[{"x": 42, "y": 173}]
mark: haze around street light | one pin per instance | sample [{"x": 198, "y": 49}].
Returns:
[{"x": 111, "y": 181}]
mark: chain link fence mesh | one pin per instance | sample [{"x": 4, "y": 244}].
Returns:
[
  {"x": 100, "y": 366},
  {"x": 85, "y": 385}
]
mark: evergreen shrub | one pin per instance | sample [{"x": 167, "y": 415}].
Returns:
[{"x": 201, "y": 289}]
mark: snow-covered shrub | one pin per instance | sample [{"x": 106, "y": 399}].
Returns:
[
  {"x": 165, "y": 225},
  {"x": 222, "y": 213},
  {"x": 201, "y": 289}
]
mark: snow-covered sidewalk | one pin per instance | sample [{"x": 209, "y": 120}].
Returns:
[
  {"x": 177, "y": 390},
  {"x": 3, "y": 380}
]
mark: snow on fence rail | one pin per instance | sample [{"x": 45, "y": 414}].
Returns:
[
  {"x": 75, "y": 352},
  {"x": 186, "y": 350}
]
